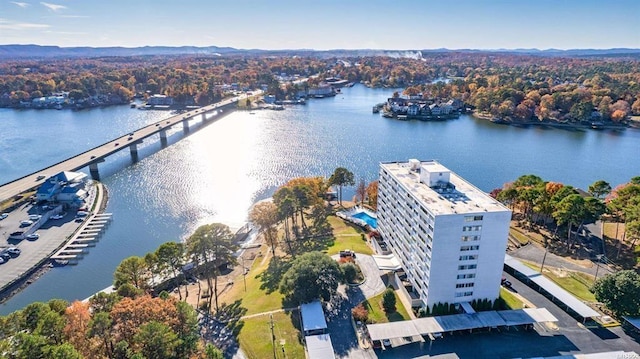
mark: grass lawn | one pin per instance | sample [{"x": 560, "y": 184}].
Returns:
[
  {"x": 575, "y": 283},
  {"x": 255, "y": 336},
  {"x": 255, "y": 299},
  {"x": 347, "y": 236},
  {"x": 510, "y": 300},
  {"x": 523, "y": 239},
  {"x": 378, "y": 315},
  {"x": 612, "y": 229}
]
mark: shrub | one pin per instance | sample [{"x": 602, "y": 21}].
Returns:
[
  {"x": 360, "y": 313},
  {"x": 349, "y": 272},
  {"x": 389, "y": 300}
]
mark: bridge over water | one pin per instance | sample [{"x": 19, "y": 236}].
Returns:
[{"x": 98, "y": 154}]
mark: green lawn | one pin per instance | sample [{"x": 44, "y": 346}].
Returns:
[
  {"x": 576, "y": 283},
  {"x": 378, "y": 315},
  {"x": 510, "y": 299},
  {"x": 255, "y": 336},
  {"x": 521, "y": 237},
  {"x": 255, "y": 299},
  {"x": 347, "y": 236}
]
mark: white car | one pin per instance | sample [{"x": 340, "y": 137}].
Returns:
[
  {"x": 33, "y": 236},
  {"x": 4, "y": 215},
  {"x": 34, "y": 217},
  {"x": 25, "y": 223},
  {"x": 58, "y": 216}
]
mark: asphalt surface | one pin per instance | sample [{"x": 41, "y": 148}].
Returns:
[
  {"x": 53, "y": 233},
  {"x": 535, "y": 253}
]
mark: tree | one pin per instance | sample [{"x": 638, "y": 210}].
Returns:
[
  {"x": 570, "y": 210},
  {"x": 170, "y": 259},
  {"x": 265, "y": 215},
  {"x": 389, "y": 300},
  {"x": 62, "y": 351},
  {"x": 211, "y": 352},
  {"x": 349, "y": 272},
  {"x": 341, "y": 177},
  {"x": 599, "y": 189},
  {"x": 372, "y": 194},
  {"x": 212, "y": 247},
  {"x": 620, "y": 292},
  {"x": 360, "y": 313},
  {"x": 132, "y": 270},
  {"x": 78, "y": 319},
  {"x": 157, "y": 340},
  {"x": 312, "y": 276}
]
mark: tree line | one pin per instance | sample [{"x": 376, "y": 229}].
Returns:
[{"x": 521, "y": 87}]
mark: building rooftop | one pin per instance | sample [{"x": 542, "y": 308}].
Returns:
[{"x": 449, "y": 196}]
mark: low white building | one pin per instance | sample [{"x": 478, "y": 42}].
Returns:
[{"x": 449, "y": 236}]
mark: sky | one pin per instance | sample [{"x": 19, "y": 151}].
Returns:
[{"x": 324, "y": 24}]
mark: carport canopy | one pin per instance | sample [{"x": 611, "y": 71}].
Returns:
[
  {"x": 456, "y": 322},
  {"x": 392, "y": 330},
  {"x": 387, "y": 262},
  {"x": 550, "y": 287}
]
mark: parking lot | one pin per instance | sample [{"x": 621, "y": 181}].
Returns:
[{"x": 51, "y": 235}]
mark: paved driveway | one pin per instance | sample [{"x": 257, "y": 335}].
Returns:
[{"x": 343, "y": 337}]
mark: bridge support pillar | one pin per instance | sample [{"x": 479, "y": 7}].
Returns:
[
  {"x": 185, "y": 126},
  {"x": 93, "y": 170},
  {"x": 163, "y": 138},
  {"x": 133, "y": 149}
]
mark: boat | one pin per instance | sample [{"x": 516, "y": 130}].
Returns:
[
  {"x": 375, "y": 109},
  {"x": 133, "y": 105}
]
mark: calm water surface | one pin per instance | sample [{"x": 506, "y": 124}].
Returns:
[{"x": 216, "y": 173}]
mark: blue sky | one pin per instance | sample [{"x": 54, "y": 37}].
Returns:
[{"x": 324, "y": 24}]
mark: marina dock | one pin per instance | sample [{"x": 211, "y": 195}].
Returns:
[{"x": 85, "y": 237}]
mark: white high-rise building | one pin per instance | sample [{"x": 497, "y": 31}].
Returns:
[{"x": 449, "y": 236}]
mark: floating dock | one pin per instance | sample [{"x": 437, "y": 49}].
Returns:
[{"x": 85, "y": 237}]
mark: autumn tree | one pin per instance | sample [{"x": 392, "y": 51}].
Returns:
[
  {"x": 264, "y": 214},
  {"x": 372, "y": 194}
]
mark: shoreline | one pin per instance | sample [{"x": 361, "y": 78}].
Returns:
[
  {"x": 547, "y": 123},
  {"x": 43, "y": 266}
]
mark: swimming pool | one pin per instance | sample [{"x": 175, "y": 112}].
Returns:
[{"x": 371, "y": 221}]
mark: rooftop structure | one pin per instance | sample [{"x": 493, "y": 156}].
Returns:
[{"x": 449, "y": 236}]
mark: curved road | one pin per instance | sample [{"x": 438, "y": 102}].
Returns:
[{"x": 97, "y": 154}]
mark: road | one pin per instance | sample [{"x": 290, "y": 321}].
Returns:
[{"x": 96, "y": 154}]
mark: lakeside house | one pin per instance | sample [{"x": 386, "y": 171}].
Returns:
[{"x": 422, "y": 109}]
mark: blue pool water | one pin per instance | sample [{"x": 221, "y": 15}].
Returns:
[{"x": 373, "y": 222}]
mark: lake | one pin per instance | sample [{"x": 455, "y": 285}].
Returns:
[{"x": 219, "y": 171}]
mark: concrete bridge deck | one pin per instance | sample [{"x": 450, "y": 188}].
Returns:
[{"x": 97, "y": 154}]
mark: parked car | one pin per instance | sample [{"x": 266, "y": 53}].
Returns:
[
  {"x": 58, "y": 216},
  {"x": 4, "y": 215},
  {"x": 40, "y": 177},
  {"x": 34, "y": 217},
  {"x": 26, "y": 223},
  {"x": 33, "y": 236},
  {"x": 4, "y": 255},
  {"x": 2, "y": 261},
  {"x": 505, "y": 283},
  {"x": 13, "y": 251},
  {"x": 386, "y": 342}
]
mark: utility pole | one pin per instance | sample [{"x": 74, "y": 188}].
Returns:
[
  {"x": 543, "y": 258},
  {"x": 273, "y": 338},
  {"x": 244, "y": 274}
]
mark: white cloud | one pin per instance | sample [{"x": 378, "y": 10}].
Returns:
[
  {"x": 53, "y": 7},
  {"x": 12, "y": 25},
  {"x": 21, "y": 4}
]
